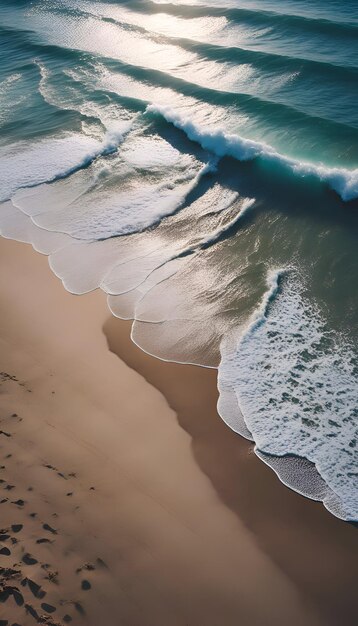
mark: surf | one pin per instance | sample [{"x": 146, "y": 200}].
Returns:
[{"x": 343, "y": 181}]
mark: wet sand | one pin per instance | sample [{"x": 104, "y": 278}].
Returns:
[{"x": 125, "y": 500}]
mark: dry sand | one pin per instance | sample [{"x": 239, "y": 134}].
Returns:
[{"x": 125, "y": 500}]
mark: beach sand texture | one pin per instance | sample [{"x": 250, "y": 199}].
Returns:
[{"x": 125, "y": 500}]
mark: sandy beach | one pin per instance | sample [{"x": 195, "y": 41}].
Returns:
[{"x": 125, "y": 500}]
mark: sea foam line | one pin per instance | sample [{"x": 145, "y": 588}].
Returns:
[
  {"x": 342, "y": 180},
  {"x": 47, "y": 169},
  {"x": 110, "y": 144}
]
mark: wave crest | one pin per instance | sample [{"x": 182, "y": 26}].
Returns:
[{"x": 343, "y": 181}]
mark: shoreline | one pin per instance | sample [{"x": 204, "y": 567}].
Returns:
[{"x": 185, "y": 525}]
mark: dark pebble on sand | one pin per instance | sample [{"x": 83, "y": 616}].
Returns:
[
  {"x": 5, "y": 551},
  {"x": 86, "y": 585}
]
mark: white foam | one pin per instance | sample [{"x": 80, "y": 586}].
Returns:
[
  {"x": 24, "y": 164},
  {"x": 221, "y": 143},
  {"x": 121, "y": 205},
  {"x": 30, "y": 164},
  {"x": 295, "y": 385},
  {"x": 110, "y": 115},
  {"x": 151, "y": 152}
]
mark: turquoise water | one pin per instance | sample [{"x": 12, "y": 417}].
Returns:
[{"x": 198, "y": 161}]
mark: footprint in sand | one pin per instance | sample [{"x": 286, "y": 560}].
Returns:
[
  {"x": 8, "y": 591},
  {"x": 79, "y": 608},
  {"x": 17, "y": 595},
  {"x": 7, "y": 573},
  {"x": 49, "y": 528},
  {"x": 16, "y": 528},
  {"x": 29, "y": 560},
  {"x": 35, "y": 589},
  {"x": 49, "y": 608},
  {"x": 31, "y": 611}
]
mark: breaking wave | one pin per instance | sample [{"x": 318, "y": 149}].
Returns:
[{"x": 221, "y": 143}]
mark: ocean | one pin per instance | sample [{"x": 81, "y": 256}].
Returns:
[{"x": 197, "y": 160}]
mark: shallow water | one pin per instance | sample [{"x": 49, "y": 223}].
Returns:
[{"x": 198, "y": 161}]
